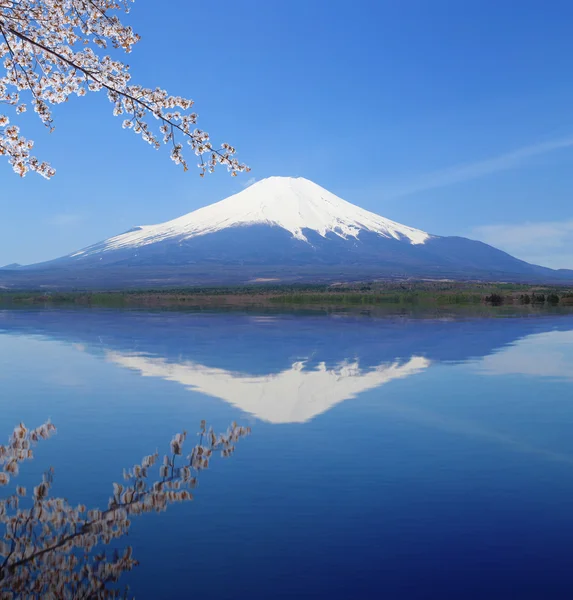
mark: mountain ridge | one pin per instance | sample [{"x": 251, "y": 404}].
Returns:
[{"x": 281, "y": 228}]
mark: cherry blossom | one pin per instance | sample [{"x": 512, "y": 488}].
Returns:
[
  {"x": 53, "y": 49},
  {"x": 51, "y": 549}
]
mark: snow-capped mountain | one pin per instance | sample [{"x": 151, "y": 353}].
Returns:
[
  {"x": 295, "y": 205},
  {"x": 282, "y": 229}
]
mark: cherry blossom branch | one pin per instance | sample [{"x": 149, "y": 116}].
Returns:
[
  {"x": 39, "y": 36},
  {"x": 40, "y": 544}
]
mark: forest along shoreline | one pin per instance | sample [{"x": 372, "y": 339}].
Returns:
[{"x": 468, "y": 296}]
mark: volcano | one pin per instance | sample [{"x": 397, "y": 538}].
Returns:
[{"x": 280, "y": 229}]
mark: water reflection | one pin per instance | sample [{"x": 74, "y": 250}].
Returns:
[
  {"x": 294, "y": 395},
  {"x": 541, "y": 355},
  {"x": 454, "y": 462},
  {"x": 289, "y": 369},
  {"x": 51, "y": 549}
]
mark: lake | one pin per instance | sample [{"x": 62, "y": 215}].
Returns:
[{"x": 385, "y": 458}]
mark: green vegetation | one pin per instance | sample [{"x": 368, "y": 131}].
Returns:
[{"x": 404, "y": 294}]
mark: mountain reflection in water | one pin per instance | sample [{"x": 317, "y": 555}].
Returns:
[
  {"x": 397, "y": 455},
  {"x": 295, "y": 395},
  {"x": 280, "y": 369}
]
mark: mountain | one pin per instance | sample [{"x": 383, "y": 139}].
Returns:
[
  {"x": 293, "y": 205},
  {"x": 279, "y": 229}
]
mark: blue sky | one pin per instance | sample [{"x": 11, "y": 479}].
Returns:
[{"x": 453, "y": 117}]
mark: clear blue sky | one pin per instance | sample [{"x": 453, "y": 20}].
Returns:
[{"x": 454, "y": 117}]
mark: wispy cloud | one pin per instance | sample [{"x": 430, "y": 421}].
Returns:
[
  {"x": 548, "y": 243},
  {"x": 475, "y": 170},
  {"x": 249, "y": 182},
  {"x": 65, "y": 220}
]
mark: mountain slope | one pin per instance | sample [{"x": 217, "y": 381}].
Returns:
[
  {"x": 280, "y": 228},
  {"x": 294, "y": 205}
]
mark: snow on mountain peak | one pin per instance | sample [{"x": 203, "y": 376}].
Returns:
[{"x": 294, "y": 204}]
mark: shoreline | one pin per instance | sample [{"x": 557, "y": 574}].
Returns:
[{"x": 379, "y": 297}]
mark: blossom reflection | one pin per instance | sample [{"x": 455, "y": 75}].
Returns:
[{"x": 50, "y": 549}]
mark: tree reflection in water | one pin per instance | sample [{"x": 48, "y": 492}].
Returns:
[{"x": 50, "y": 549}]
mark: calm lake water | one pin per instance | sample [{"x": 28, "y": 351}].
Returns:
[{"x": 389, "y": 458}]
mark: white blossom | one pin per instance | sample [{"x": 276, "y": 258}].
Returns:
[
  {"x": 52, "y": 49},
  {"x": 51, "y": 549}
]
